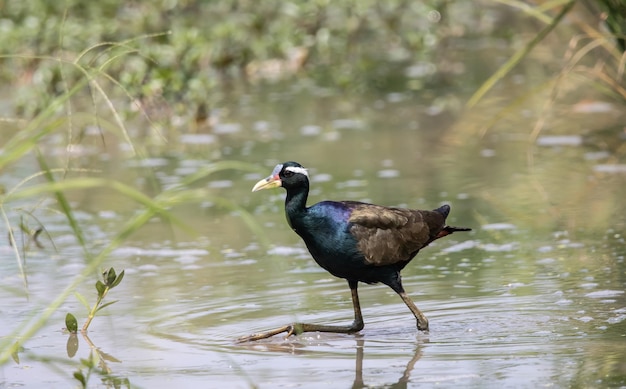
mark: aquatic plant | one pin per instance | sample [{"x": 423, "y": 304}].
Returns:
[
  {"x": 149, "y": 207},
  {"x": 58, "y": 118},
  {"x": 109, "y": 281},
  {"x": 92, "y": 365},
  {"x": 97, "y": 360}
]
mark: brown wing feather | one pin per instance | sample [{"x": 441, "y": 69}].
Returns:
[{"x": 391, "y": 235}]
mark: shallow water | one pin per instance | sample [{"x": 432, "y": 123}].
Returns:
[{"x": 532, "y": 297}]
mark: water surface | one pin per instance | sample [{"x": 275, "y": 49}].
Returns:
[{"x": 532, "y": 297}]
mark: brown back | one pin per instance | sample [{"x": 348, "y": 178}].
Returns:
[{"x": 388, "y": 235}]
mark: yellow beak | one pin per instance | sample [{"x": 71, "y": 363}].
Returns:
[{"x": 268, "y": 183}]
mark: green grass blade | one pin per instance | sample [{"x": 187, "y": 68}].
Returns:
[
  {"x": 66, "y": 209},
  {"x": 27, "y": 329},
  {"x": 13, "y": 243},
  {"x": 517, "y": 57},
  {"x": 27, "y": 138},
  {"x": 82, "y": 300},
  {"x": 247, "y": 217},
  {"x": 216, "y": 167}
]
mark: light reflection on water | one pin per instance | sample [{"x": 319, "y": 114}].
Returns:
[
  {"x": 182, "y": 305},
  {"x": 532, "y": 297},
  {"x": 490, "y": 337},
  {"x": 176, "y": 324}
]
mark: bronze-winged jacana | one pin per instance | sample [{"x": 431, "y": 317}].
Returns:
[{"x": 353, "y": 240}]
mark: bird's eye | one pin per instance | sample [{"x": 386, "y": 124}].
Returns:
[{"x": 288, "y": 173}]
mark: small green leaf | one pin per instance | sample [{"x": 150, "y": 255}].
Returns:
[
  {"x": 36, "y": 236},
  {"x": 16, "y": 356},
  {"x": 70, "y": 323},
  {"x": 81, "y": 378},
  {"x": 106, "y": 305},
  {"x": 100, "y": 287},
  {"x": 89, "y": 362},
  {"x": 109, "y": 276},
  {"x": 118, "y": 279}
]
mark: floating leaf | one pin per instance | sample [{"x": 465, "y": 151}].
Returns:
[{"x": 70, "y": 323}]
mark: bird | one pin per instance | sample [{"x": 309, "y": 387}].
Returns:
[{"x": 356, "y": 241}]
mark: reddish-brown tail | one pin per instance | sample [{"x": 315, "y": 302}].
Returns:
[{"x": 447, "y": 230}]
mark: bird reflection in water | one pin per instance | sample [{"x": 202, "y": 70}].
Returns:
[
  {"x": 402, "y": 381},
  {"x": 299, "y": 348}
]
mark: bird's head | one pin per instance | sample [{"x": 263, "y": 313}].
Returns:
[{"x": 287, "y": 174}]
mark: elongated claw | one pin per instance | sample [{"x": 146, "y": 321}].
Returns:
[
  {"x": 289, "y": 329},
  {"x": 299, "y": 328}
]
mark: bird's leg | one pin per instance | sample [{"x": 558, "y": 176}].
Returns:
[
  {"x": 395, "y": 283},
  {"x": 298, "y": 328},
  {"x": 422, "y": 321},
  {"x": 357, "y": 324}
]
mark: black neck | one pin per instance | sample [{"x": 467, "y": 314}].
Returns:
[{"x": 295, "y": 202}]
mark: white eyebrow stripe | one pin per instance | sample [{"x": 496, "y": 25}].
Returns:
[{"x": 296, "y": 169}]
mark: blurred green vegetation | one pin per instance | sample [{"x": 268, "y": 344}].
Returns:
[
  {"x": 191, "y": 53},
  {"x": 614, "y": 13},
  {"x": 184, "y": 58}
]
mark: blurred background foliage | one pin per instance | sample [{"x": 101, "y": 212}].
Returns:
[
  {"x": 182, "y": 65},
  {"x": 185, "y": 57},
  {"x": 193, "y": 52}
]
